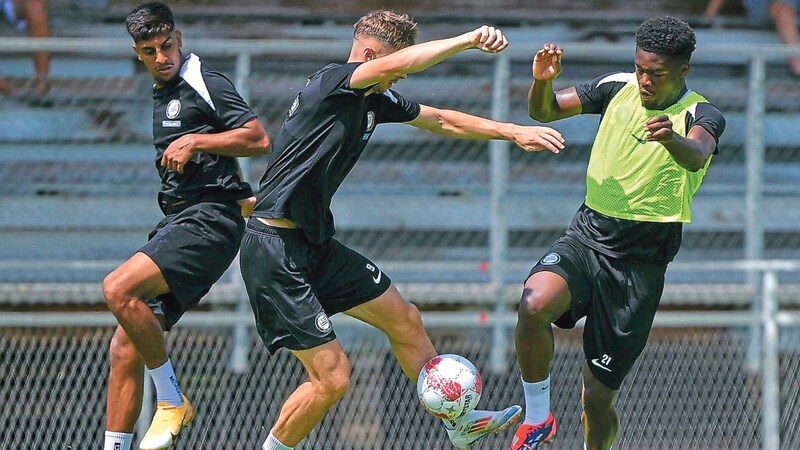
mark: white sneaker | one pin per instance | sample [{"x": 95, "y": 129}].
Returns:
[{"x": 479, "y": 423}]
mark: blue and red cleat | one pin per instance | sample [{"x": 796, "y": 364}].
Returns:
[{"x": 530, "y": 437}]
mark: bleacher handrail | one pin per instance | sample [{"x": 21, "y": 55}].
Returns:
[{"x": 340, "y": 48}]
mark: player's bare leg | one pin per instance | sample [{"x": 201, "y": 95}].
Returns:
[
  {"x": 401, "y": 322},
  {"x": 126, "y": 290},
  {"x": 125, "y": 391},
  {"x": 329, "y": 380},
  {"x": 599, "y": 417},
  {"x": 545, "y": 297},
  {"x": 125, "y": 384}
]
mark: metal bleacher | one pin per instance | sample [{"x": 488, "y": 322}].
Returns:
[{"x": 78, "y": 183}]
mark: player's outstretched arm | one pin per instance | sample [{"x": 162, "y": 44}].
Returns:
[
  {"x": 544, "y": 104},
  {"x": 465, "y": 126},
  {"x": 249, "y": 140},
  {"x": 417, "y": 58}
]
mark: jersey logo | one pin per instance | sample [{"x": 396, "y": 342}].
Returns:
[
  {"x": 370, "y": 120},
  {"x": 373, "y": 269},
  {"x": 550, "y": 259},
  {"x": 295, "y": 105},
  {"x": 322, "y": 322},
  {"x": 391, "y": 96},
  {"x": 173, "y": 108},
  {"x": 170, "y": 123},
  {"x": 638, "y": 139}
]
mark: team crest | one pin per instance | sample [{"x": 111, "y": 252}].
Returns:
[
  {"x": 370, "y": 120},
  {"x": 173, "y": 108},
  {"x": 322, "y": 322},
  {"x": 550, "y": 259}
]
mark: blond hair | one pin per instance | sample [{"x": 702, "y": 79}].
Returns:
[{"x": 397, "y": 30}]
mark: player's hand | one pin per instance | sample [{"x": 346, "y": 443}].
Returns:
[
  {"x": 247, "y": 205},
  {"x": 536, "y": 139},
  {"x": 178, "y": 153},
  {"x": 659, "y": 129},
  {"x": 547, "y": 62},
  {"x": 488, "y": 39}
]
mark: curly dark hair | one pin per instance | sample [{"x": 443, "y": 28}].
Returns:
[
  {"x": 148, "y": 20},
  {"x": 668, "y": 36}
]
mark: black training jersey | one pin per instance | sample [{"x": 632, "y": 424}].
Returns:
[
  {"x": 199, "y": 100},
  {"x": 637, "y": 195},
  {"x": 322, "y": 137}
]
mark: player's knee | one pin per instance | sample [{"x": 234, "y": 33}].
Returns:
[
  {"x": 335, "y": 384},
  {"x": 534, "y": 307},
  {"x": 116, "y": 293}
]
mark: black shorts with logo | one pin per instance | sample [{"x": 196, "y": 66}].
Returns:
[
  {"x": 193, "y": 245},
  {"x": 294, "y": 285},
  {"x": 618, "y": 297}
]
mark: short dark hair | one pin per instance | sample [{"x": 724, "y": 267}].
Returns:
[
  {"x": 148, "y": 20},
  {"x": 397, "y": 30},
  {"x": 668, "y": 36}
]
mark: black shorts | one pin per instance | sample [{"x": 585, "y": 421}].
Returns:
[
  {"x": 618, "y": 297},
  {"x": 294, "y": 285},
  {"x": 193, "y": 247}
]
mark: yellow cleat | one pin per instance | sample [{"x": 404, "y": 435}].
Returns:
[{"x": 167, "y": 423}]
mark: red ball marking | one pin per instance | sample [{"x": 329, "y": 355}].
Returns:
[
  {"x": 433, "y": 362},
  {"x": 449, "y": 389}
]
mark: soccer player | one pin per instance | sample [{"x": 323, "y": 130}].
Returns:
[
  {"x": 654, "y": 144},
  {"x": 296, "y": 273},
  {"x": 200, "y": 123}
]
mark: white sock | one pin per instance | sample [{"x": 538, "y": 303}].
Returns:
[
  {"x": 118, "y": 441},
  {"x": 537, "y": 400},
  {"x": 272, "y": 443},
  {"x": 166, "y": 382}
]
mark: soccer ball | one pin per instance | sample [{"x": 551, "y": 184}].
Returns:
[{"x": 449, "y": 386}]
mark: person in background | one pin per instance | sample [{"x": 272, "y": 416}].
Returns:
[
  {"x": 784, "y": 16},
  {"x": 30, "y": 15}
]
